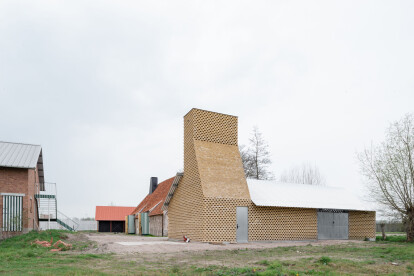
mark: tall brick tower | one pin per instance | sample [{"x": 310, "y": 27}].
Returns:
[{"x": 204, "y": 204}]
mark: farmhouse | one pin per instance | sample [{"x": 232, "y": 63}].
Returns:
[
  {"x": 151, "y": 219},
  {"x": 112, "y": 218},
  {"x": 26, "y": 200},
  {"x": 21, "y": 178},
  {"x": 213, "y": 202}
]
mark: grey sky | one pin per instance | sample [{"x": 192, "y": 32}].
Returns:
[{"x": 103, "y": 85}]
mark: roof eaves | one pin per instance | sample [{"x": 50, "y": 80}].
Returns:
[
  {"x": 19, "y": 155},
  {"x": 172, "y": 190},
  {"x": 154, "y": 206}
]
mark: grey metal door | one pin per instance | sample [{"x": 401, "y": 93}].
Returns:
[
  {"x": 341, "y": 226},
  {"x": 325, "y": 227},
  {"x": 242, "y": 232},
  {"x": 332, "y": 225},
  {"x": 144, "y": 224},
  {"x": 131, "y": 224}
]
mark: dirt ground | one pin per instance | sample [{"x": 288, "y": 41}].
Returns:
[{"x": 125, "y": 244}]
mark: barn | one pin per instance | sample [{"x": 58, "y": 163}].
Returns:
[
  {"x": 150, "y": 218},
  {"x": 213, "y": 201},
  {"x": 112, "y": 218}
]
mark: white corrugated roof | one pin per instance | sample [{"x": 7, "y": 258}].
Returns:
[
  {"x": 272, "y": 193},
  {"x": 17, "y": 155}
]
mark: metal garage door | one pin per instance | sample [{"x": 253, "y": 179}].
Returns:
[{"x": 332, "y": 225}]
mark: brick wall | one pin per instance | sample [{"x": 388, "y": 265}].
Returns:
[
  {"x": 186, "y": 206},
  {"x": 22, "y": 181},
  {"x": 33, "y": 219},
  {"x": 220, "y": 218},
  {"x": 361, "y": 225},
  {"x": 204, "y": 204},
  {"x": 279, "y": 223}
]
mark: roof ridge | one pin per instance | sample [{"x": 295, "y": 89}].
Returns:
[
  {"x": 114, "y": 206},
  {"x": 293, "y": 184},
  {"x": 17, "y": 143}
]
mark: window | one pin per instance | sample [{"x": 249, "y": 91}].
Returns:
[{"x": 12, "y": 212}]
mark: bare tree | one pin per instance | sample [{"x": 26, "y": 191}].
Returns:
[
  {"x": 246, "y": 160},
  {"x": 304, "y": 174},
  {"x": 389, "y": 170},
  {"x": 256, "y": 157}
]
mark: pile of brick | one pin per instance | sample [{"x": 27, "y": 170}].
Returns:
[{"x": 58, "y": 246}]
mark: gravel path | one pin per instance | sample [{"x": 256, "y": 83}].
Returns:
[{"x": 123, "y": 244}]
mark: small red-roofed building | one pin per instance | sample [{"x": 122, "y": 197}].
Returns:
[{"x": 112, "y": 218}]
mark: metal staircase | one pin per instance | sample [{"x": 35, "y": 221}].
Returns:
[
  {"x": 67, "y": 222},
  {"x": 46, "y": 203}
]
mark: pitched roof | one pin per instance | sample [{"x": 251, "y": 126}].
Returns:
[
  {"x": 153, "y": 203},
  {"x": 170, "y": 194},
  {"x": 16, "y": 155},
  {"x": 272, "y": 193},
  {"x": 112, "y": 212}
]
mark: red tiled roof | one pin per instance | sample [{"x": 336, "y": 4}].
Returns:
[
  {"x": 112, "y": 212},
  {"x": 153, "y": 202}
]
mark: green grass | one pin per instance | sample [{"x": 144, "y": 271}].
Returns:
[
  {"x": 400, "y": 238},
  {"x": 19, "y": 257},
  {"x": 324, "y": 260}
]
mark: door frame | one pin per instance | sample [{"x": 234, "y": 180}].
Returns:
[
  {"x": 333, "y": 235},
  {"x": 246, "y": 213}
]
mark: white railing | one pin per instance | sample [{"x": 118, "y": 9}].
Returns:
[
  {"x": 49, "y": 189},
  {"x": 68, "y": 221},
  {"x": 46, "y": 201}
]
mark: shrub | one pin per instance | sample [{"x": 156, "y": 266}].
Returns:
[
  {"x": 175, "y": 269},
  {"x": 324, "y": 260}
]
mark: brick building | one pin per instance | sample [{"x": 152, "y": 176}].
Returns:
[
  {"x": 213, "y": 202},
  {"x": 21, "y": 177},
  {"x": 150, "y": 218}
]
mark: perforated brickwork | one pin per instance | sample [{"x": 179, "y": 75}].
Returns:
[
  {"x": 278, "y": 223},
  {"x": 220, "y": 218},
  {"x": 361, "y": 225},
  {"x": 265, "y": 223},
  {"x": 204, "y": 204},
  {"x": 186, "y": 206},
  {"x": 214, "y": 127}
]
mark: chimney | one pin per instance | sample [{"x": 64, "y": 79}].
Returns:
[{"x": 153, "y": 184}]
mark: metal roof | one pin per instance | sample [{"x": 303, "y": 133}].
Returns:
[
  {"x": 16, "y": 155},
  {"x": 272, "y": 193}
]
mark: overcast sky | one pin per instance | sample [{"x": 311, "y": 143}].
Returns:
[{"x": 103, "y": 85}]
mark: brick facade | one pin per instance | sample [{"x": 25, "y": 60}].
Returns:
[
  {"x": 20, "y": 181},
  {"x": 361, "y": 225},
  {"x": 204, "y": 203}
]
